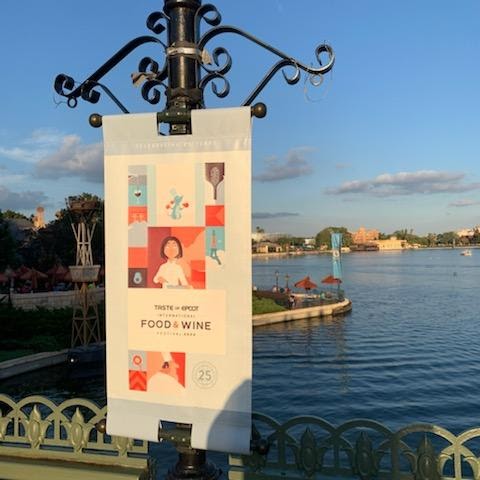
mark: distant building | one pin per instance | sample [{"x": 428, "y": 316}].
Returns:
[
  {"x": 269, "y": 237},
  {"x": 393, "y": 243},
  {"x": 364, "y": 236},
  {"x": 468, "y": 232},
  {"x": 39, "y": 218},
  {"x": 266, "y": 247},
  {"x": 309, "y": 242}
]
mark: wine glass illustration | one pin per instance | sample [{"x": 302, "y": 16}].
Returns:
[{"x": 137, "y": 192}]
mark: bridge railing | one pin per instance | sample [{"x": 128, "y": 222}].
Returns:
[
  {"x": 36, "y": 431},
  {"x": 312, "y": 448},
  {"x": 37, "y": 434}
]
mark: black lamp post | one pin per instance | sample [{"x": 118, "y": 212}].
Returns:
[
  {"x": 188, "y": 66},
  {"x": 187, "y": 69},
  {"x": 277, "y": 273},
  {"x": 10, "y": 274}
]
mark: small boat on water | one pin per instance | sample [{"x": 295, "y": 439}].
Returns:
[{"x": 466, "y": 253}]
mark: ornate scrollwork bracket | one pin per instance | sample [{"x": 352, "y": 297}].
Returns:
[{"x": 205, "y": 68}]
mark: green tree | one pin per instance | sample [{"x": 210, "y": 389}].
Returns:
[
  {"x": 447, "y": 238},
  {"x": 324, "y": 236},
  {"x": 8, "y": 245},
  {"x": 11, "y": 214},
  {"x": 410, "y": 237},
  {"x": 476, "y": 237},
  {"x": 56, "y": 242},
  {"x": 431, "y": 239},
  {"x": 401, "y": 234}
]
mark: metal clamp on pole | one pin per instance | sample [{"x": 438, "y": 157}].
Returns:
[{"x": 192, "y": 464}]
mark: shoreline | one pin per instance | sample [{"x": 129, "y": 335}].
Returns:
[
  {"x": 329, "y": 252},
  {"x": 302, "y": 313},
  {"x": 37, "y": 361}
]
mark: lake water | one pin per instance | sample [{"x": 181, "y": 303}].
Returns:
[{"x": 408, "y": 352}]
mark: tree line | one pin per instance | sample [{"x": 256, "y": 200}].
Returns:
[
  {"x": 449, "y": 238},
  {"x": 52, "y": 245}
]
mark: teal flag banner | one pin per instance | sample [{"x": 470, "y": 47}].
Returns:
[{"x": 336, "y": 258}]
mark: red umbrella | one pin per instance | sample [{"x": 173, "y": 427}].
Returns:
[
  {"x": 57, "y": 272},
  {"x": 21, "y": 270},
  {"x": 33, "y": 275},
  {"x": 331, "y": 280},
  {"x": 306, "y": 283}
]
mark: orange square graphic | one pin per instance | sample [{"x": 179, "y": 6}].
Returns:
[
  {"x": 214, "y": 215},
  {"x": 137, "y": 257},
  {"x": 137, "y": 214},
  {"x": 137, "y": 380}
]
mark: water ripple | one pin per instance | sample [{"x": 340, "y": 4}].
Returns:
[{"x": 406, "y": 353}]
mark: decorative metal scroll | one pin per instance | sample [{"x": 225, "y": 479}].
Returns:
[
  {"x": 311, "y": 448},
  {"x": 35, "y": 428},
  {"x": 214, "y": 66}
]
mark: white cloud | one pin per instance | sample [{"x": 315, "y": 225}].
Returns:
[
  {"x": 72, "y": 158},
  {"x": 292, "y": 166},
  {"x": 11, "y": 178},
  {"x": 407, "y": 183},
  {"x": 263, "y": 215},
  {"x": 464, "y": 203},
  {"x": 45, "y": 137},
  {"x": 41, "y": 142},
  {"x": 21, "y": 154},
  {"x": 27, "y": 200}
]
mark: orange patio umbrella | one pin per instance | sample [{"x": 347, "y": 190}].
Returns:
[
  {"x": 306, "y": 283},
  {"x": 330, "y": 279}
]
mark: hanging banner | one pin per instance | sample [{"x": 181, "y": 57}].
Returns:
[
  {"x": 178, "y": 267},
  {"x": 336, "y": 239}
]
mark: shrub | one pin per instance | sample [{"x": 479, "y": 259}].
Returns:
[{"x": 265, "y": 305}]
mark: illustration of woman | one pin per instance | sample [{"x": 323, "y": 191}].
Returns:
[{"x": 171, "y": 274}]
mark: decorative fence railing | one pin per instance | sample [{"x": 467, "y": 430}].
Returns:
[
  {"x": 36, "y": 429},
  {"x": 309, "y": 447},
  {"x": 35, "y": 432}
]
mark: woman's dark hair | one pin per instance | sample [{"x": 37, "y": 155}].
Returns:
[{"x": 164, "y": 243}]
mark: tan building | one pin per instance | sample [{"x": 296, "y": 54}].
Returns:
[
  {"x": 393, "y": 243},
  {"x": 266, "y": 247},
  {"x": 362, "y": 235},
  {"x": 39, "y": 218}
]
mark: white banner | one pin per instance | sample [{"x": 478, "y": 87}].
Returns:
[{"x": 178, "y": 267}]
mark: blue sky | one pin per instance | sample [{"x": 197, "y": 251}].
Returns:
[{"x": 389, "y": 140}]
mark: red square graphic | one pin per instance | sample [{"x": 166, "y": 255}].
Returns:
[
  {"x": 214, "y": 215},
  {"x": 137, "y": 214},
  {"x": 137, "y": 257},
  {"x": 137, "y": 380}
]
